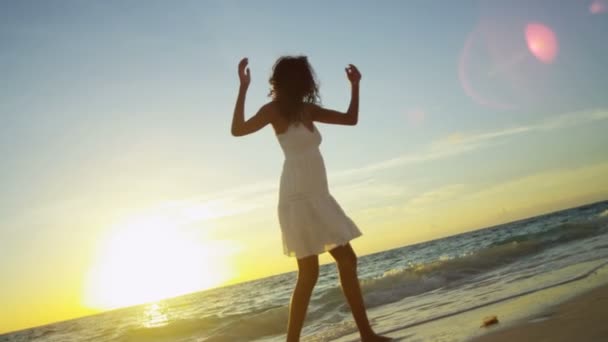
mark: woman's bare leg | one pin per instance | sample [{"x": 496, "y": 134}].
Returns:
[
  {"x": 347, "y": 266},
  {"x": 308, "y": 272}
]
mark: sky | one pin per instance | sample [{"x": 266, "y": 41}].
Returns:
[{"x": 118, "y": 166}]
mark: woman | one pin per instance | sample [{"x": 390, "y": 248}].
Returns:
[{"x": 311, "y": 220}]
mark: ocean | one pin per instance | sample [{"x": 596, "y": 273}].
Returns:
[{"x": 406, "y": 289}]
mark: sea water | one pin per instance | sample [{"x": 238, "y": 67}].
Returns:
[{"x": 405, "y": 288}]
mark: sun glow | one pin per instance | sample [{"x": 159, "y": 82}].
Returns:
[{"x": 150, "y": 258}]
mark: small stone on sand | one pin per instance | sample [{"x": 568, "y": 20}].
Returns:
[{"x": 490, "y": 320}]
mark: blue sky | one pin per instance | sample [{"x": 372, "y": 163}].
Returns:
[{"x": 112, "y": 109}]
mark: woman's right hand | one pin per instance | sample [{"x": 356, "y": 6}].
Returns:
[{"x": 244, "y": 74}]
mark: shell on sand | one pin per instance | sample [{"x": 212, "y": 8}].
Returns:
[{"x": 490, "y": 320}]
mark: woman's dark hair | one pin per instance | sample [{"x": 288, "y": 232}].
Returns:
[{"x": 293, "y": 82}]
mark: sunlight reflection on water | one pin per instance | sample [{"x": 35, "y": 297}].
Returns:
[{"x": 155, "y": 315}]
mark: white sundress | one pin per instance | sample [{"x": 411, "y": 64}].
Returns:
[{"x": 311, "y": 220}]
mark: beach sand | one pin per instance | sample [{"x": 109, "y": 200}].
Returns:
[
  {"x": 575, "y": 311},
  {"x": 583, "y": 318}
]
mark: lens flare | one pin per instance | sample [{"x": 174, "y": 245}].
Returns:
[
  {"x": 542, "y": 42},
  {"x": 468, "y": 67},
  {"x": 415, "y": 116},
  {"x": 598, "y": 7}
]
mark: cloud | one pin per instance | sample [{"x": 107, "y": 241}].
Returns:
[
  {"x": 435, "y": 196},
  {"x": 548, "y": 185},
  {"x": 459, "y": 143},
  {"x": 360, "y": 182},
  {"x": 535, "y": 193},
  {"x": 455, "y": 208},
  {"x": 554, "y": 123},
  {"x": 433, "y": 152}
]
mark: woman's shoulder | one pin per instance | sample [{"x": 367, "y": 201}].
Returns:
[
  {"x": 310, "y": 105},
  {"x": 271, "y": 111},
  {"x": 274, "y": 108},
  {"x": 310, "y": 108},
  {"x": 305, "y": 105},
  {"x": 270, "y": 108}
]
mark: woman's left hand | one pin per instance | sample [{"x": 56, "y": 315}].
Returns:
[{"x": 353, "y": 74}]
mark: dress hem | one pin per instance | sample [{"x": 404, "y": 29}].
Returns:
[{"x": 325, "y": 248}]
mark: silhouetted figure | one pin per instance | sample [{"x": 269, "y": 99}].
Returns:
[{"x": 311, "y": 220}]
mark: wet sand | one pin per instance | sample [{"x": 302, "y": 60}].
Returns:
[{"x": 583, "y": 318}]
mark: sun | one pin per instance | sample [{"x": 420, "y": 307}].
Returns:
[{"x": 151, "y": 257}]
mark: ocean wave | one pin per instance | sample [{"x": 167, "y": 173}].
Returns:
[
  {"x": 174, "y": 330},
  {"x": 397, "y": 284},
  {"x": 392, "y": 286},
  {"x": 249, "y": 327},
  {"x": 562, "y": 233},
  {"x": 578, "y": 277},
  {"x": 234, "y": 328}
]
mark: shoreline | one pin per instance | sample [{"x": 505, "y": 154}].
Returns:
[
  {"x": 581, "y": 318},
  {"x": 514, "y": 314}
]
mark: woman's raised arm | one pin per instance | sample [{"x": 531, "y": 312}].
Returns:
[
  {"x": 241, "y": 127},
  {"x": 351, "y": 117}
]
